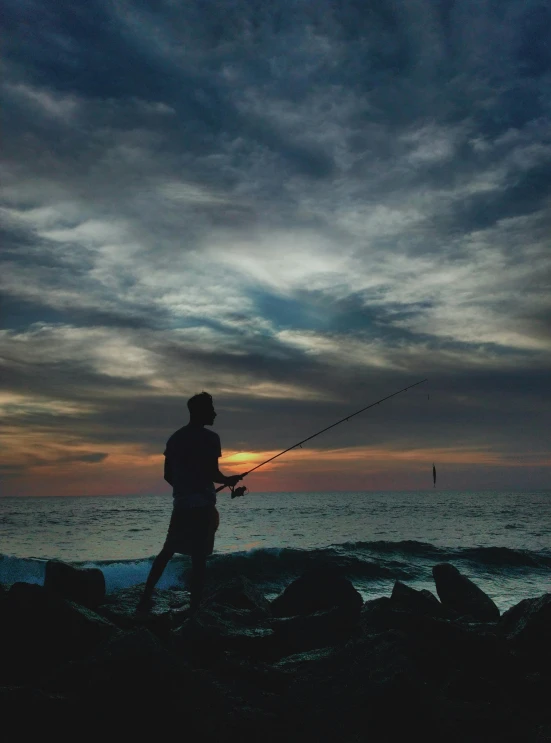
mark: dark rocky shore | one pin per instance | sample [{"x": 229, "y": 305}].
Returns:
[{"x": 317, "y": 663}]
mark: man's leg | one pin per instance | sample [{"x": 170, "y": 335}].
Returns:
[
  {"x": 197, "y": 580},
  {"x": 157, "y": 569}
]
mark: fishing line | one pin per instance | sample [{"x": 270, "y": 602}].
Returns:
[{"x": 242, "y": 490}]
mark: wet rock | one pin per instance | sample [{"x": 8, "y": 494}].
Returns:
[
  {"x": 129, "y": 663},
  {"x": 241, "y": 593},
  {"x": 300, "y": 661},
  {"x": 431, "y": 681},
  {"x": 214, "y": 629},
  {"x": 84, "y": 586},
  {"x": 39, "y": 630},
  {"x": 27, "y": 711},
  {"x": 528, "y": 625},
  {"x": 419, "y": 602},
  {"x": 543, "y": 734},
  {"x": 317, "y": 630},
  {"x": 255, "y": 674},
  {"x": 316, "y": 590},
  {"x": 458, "y": 593},
  {"x": 354, "y": 693},
  {"x": 382, "y": 614},
  {"x": 167, "y": 612},
  {"x": 438, "y": 645},
  {"x": 26, "y": 695}
]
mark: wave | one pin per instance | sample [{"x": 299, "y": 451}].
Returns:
[
  {"x": 507, "y": 557},
  {"x": 504, "y": 556},
  {"x": 362, "y": 562},
  {"x": 407, "y": 546},
  {"x": 21, "y": 569}
]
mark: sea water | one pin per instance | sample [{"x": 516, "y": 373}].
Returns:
[{"x": 501, "y": 540}]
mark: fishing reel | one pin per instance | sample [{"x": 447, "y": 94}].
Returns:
[{"x": 238, "y": 492}]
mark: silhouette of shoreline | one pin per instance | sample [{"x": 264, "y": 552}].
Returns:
[{"x": 315, "y": 662}]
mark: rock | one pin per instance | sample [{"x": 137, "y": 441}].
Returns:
[
  {"x": 460, "y": 594},
  {"x": 29, "y": 710},
  {"x": 316, "y": 590},
  {"x": 393, "y": 685},
  {"x": 135, "y": 677},
  {"x": 355, "y": 692},
  {"x": 39, "y": 630},
  {"x": 384, "y": 614},
  {"x": 119, "y": 607},
  {"x": 26, "y": 696},
  {"x": 419, "y": 602},
  {"x": 240, "y": 593},
  {"x": 256, "y": 674},
  {"x": 528, "y": 625},
  {"x": 438, "y": 645},
  {"x": 543, "y": 734},
  {"x": 321, "y": 629},
  {"x": 214, "y": 629},
  {"x": 301, "y": 661},
  {"x": 128, "y": 663},
  {"x": 84, "y": 586},
  {"x": 405, "y": 674}
]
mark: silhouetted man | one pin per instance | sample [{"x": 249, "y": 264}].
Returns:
[{"x": 191, "y": 467}]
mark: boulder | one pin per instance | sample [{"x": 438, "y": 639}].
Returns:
[
  {"x": 438, "y": 645},
  {"x": 393, "y": 686},
  {"x": 29, "y": 711},
  {"x": 39, "y": 630},
  {"x": 419, "y": 602},
  {"x": 134, "y": 678},
  {"x": 119, "y": 608},
  {"x": 240, "y": 593},
  {"x": 365, "y": 690},
  {"x": 543, "y": 734},
  {"x": 263, "y": 677},
  {"x": 318, "y": 589},
  {"x": 459, "y": 594},
  {"x": 307, "y": 632},
  {"x": 376, "y": 607},
  {"x": 298, "y": 662},
  {"x": 84, "y": 586},
  {"x": 214, "y": 629},
  {"x": 128, "y": 663},
  {"x": 528, "y": 625}
]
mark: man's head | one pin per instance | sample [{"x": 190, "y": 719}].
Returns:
[{"x": 201, "y": 409}]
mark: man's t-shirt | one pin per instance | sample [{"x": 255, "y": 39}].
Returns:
[{"x": 192, "y": 453}]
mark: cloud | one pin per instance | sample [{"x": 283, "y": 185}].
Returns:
[{"x": 293, "y": 206}]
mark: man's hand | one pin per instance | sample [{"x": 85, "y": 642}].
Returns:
[{"x": 233, "y": 480}]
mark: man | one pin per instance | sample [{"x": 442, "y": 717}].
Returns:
[{"x": 191, "y": 467}]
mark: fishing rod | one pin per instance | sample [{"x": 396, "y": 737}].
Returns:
[{"x": 242, "y": 490}]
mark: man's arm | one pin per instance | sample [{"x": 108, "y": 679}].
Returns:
[
  {"x": 217, "y": 476},
  {"x": 168, "y": 472}
]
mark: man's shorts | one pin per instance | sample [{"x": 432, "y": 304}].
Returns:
[{"x": 191, "y": 530}]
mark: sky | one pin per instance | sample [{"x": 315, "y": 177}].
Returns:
[{"x": 299, "y": 207}]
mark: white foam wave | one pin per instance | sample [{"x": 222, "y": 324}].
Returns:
[
  {"x": 18, "y": 569},
  {"x": 130, "y": 573}
]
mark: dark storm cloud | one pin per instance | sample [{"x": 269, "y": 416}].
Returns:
[
  {"x": 526, "y": 193},
  {"x": 90, "y": 458},
  {"x": 21, "y": 312},
  {"x": 296, "y": 206},
  {"x": 94, "y": 52}
]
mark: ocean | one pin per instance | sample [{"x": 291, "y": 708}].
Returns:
[{"x": 501, "y": 540}]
